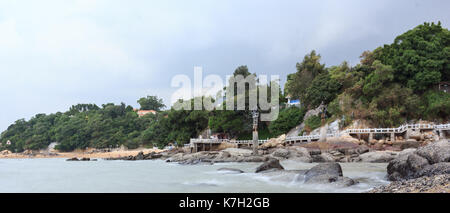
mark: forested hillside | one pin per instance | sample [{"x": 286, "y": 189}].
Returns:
[{"x": 391, "y": 85}]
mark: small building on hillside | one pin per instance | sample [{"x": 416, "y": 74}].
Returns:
[
  {"x": 292, "y": 102},
  {"x": 444, "y": 86},
  {"x": 144, "y": 112}
]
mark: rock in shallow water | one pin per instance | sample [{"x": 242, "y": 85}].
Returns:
[
  {"x": 326, "y": 173},
  {"x": 378, "y": 157},
  {"x": 72, "y": 159},
  {"x": 81, "y": 159},
  {"x": 332, "y": 169},
  {"x": 323, "y": 157},
  {"x": 271, "y": 164},
  {"x": 281, "y": 153}
]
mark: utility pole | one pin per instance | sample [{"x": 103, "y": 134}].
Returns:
[
  {"x": 255, "y": 115},
  {"x": 324, "y": 126}
]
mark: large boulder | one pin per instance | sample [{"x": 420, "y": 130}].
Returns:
[
  {"x": 343, "y": 138},
  {"x": 405, "y": 166},
  {"x": 139, "y": 156},
  {"x": 274, "y": 142},
  {"x": 332, "y": 169},
  {"x": 416, "y": 163},
  {"x": 436, "y": 152},
  {"x": 223, "y": 155},
  {"x": 281, "y": 153},
  {"x": 410, "y": 143},
  {"x": 297, "y": 151},
  {"x": 271, "y": 164},
  {"x": 323, "y": 158},
  {"x": 73, "y": 159},
  {"x": 6, "y": 152},
  {"x": 434, "y": 184},
  {"x": 176, "y": 158},
  {"x": 300, "y": 154},
  {"x": 236, "y": 151},
  {"x": 416, "y": 135},
  {"x": 435, "y": 169},
  {"x": 377, "y": 157},
  {"x": 193, "y": 158},
  {"x": 302, "y": 159},
  {"x": 327, "y": 173},
  {"x": 255, "y": 159},
  {"x": 432, "y": 159}
]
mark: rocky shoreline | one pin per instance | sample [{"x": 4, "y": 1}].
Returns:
[
  {"x": 342, "y": 149},
  {"x": 433, "y": 184},
  {"x": 296, "y": 153},
  {"x": 425, "y": 169}
]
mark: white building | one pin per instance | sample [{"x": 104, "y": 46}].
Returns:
[{"x": 292, "y": 102}]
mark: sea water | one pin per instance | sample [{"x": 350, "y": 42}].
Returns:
[{"x": 58, "y": 175}]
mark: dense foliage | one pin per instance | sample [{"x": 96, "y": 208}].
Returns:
[
  {"x": 84, "y": 125},
  {"x": 287, "y": 119},
  {"x": 391, "y": 85},
  {"x": 87, "y": 125},
  {"x": 151, "y": 103},
  {"x": 307, "y": 70},
  {"x": 312, "y": 123}
]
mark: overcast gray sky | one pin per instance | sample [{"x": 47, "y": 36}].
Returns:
[{"x": 54, "y": 54}]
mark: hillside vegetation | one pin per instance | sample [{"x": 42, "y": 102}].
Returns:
[{"x": 392, "y": 84}]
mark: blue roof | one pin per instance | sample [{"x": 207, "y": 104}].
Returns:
[{"x": 294, "y": 101}]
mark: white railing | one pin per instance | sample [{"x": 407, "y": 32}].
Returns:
[
  {"x": 198, "y": 140},
  {"x": 308, "y": 137},
  {"x": 400, "y": 129},
  {"x": 442, "y": 126},
  {"x": 218, "y": 141},
  {"x": 246, "y": 141}
]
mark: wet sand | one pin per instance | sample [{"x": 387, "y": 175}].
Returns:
[{"x": 80, "y": 154}]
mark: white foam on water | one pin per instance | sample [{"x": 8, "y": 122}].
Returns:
[
  {"x": 57, "y": 175},
  {"x": 212, "y": 182}
]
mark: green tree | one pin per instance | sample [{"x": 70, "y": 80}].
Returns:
[
  {"x": 287, "y": 119},
  {"x": 312, "y": 123},
  {"x": 229, "y": 121},
  {"x": 151, "y": 103},
  {"x": 307, "y": 70},
  {"x": 420, "y": 57},
  {"x": 377, "y": 79},
  {"x": 323, "y": 89}
]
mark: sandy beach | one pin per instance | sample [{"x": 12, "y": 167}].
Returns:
[{"x": 80, "y": 154}]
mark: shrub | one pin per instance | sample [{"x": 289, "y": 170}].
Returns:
[
  {"x": 287, "y": 119},
  {"x": 312, "y": 123}
]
